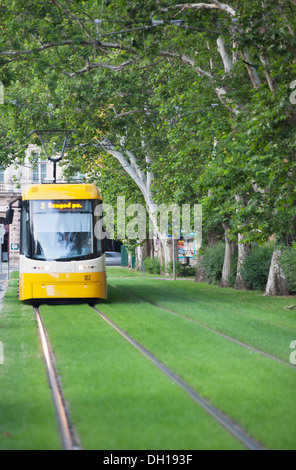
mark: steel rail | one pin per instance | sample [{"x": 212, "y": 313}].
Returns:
[
  {"x": 64, "y": 426},
  {"x": 222, "y": 418}
]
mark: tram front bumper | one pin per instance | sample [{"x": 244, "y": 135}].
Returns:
[{"x": 62, "y": 286}]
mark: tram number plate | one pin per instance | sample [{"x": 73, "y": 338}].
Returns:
[{"x": 87, "y": 277}]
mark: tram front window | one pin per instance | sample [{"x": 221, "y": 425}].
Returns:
[{"x": 62, "y": 230}]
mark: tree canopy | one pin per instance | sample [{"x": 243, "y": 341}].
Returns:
[{"x": 179, "y": 102}]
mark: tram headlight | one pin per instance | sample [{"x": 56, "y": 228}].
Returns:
[
  {"x": 81, "y": 267},
  {"x": 41, "y": 268}
]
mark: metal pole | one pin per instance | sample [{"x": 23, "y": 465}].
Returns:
[
  {"x": 174, "y": 262},
  {"x": 8, "y": 254},
  {"x": 54, "y": 172},
  {"x": 13, "y": 243}
]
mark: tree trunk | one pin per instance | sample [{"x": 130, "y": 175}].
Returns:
[
  {"x": 167, "y": 252},
  {"x": 243, "y": 251},
  {"x": 142, "y": 252},
  {"x": 276, "y": 283},
  {"x": 227, "y": 261},
  {"x": 200, "y": 275}
]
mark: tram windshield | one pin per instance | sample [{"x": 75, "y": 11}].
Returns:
[{"x": 62, "y": 230}]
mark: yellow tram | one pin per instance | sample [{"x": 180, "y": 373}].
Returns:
[{"x": 60, "y": 255}]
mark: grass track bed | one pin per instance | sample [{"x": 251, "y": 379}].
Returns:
[
  {"x": 117, "y": 398},
  {"x": 27, "y": 414},
  {"x": 256, "y": 391},
  {"x": 261, "y": 322}
]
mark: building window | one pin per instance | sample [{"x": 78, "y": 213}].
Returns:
[
  {"x": 1, "y": 174},
  {"x": 39, "y": 172}
]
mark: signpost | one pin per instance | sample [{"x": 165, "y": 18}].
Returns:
[{"x": 2, "y": 233}]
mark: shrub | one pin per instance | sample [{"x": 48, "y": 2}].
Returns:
[
  {"x": 152, "y": 265},
  {"x": 187, "y": 270},
  {"x": 256, "y": 266},
  {"x": 170, "y": 267},
  {"x": 182, "y": 270},
  {"x": 212, "y": 262},
  {"x": 288, "y": 264}
]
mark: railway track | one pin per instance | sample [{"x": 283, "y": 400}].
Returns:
[
  {"x": 68, "y": 440},
  {"x": 222, "y": 418},
  {"x": 229, "y": 338},
  {"x": 64, "y": 424}
]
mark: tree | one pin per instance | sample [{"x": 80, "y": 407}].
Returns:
[{"x": 238, "y": 159}]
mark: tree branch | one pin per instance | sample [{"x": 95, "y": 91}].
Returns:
[
  {"x": 208, "y": 6},
  {"x": 186, "y": 60},
  {"x": 56, "y": 3},
  {"x": 221, "y": 92},
  {"x": 224, "y": 7},
  {"x": 227, "y": 62},
  {"x": 280, "y": 8},
  {"x": 196, "y": 6},
  {"x": 128, "y": 167},
  {"x": 69, "y": 42},
  {"x": 135, "y": 111},
  {"x": 136, "y": 167},
  {"x": 253, "y": 74},
  {"x": 90, "y": 66}
]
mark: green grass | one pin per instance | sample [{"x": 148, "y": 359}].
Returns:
[
  {"x": 256, "y": 391},
  {"x": 117, "y": 398},
  {"x": 116, "y": 271},
  {"x": 27, "y": 415},
  {"x": 261, "y": 322}
]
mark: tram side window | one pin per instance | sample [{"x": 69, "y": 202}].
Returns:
[
  {"x": 25, "y": 230},
  {"x": 98, "y": 228}
]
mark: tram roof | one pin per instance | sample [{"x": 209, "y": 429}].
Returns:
[{"x": 61, "y": 191}]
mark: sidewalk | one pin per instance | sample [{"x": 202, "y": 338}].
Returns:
[{"x": 3, "y": 285}]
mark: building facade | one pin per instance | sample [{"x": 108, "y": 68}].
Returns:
[{"x": 13, "y": 180}]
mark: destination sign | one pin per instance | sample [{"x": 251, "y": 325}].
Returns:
[{"x": 61, "y": 205}]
